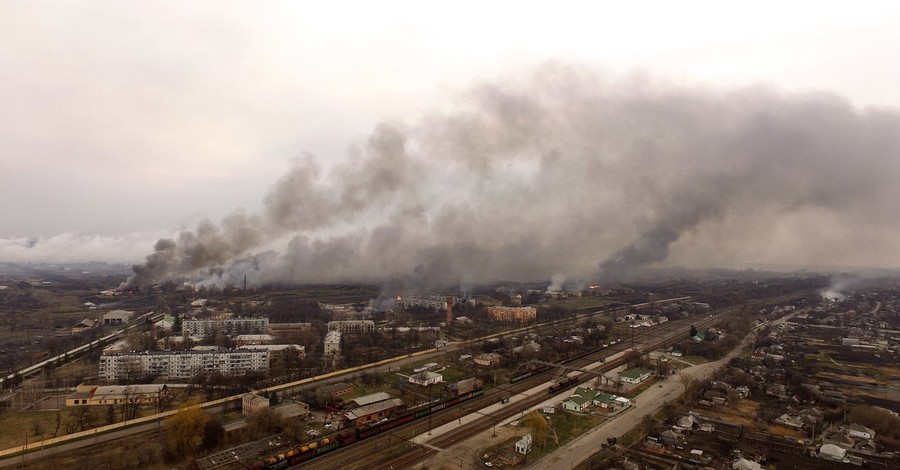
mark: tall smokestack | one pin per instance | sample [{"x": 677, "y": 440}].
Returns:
[
  {"x": 245, "y": 283},
  {"x": 449, "y": 310}
]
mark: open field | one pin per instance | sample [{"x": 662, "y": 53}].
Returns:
[
  {"x": 780, "y": 430},
  {"x": 582, "y": 302},
  {"x": 743, "y": 412}
]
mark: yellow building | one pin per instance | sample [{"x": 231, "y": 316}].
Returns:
[{"x": 512, "y": 314}]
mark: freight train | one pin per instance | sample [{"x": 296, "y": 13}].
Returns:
[
  {"x": 311, "y": 450},
  {"x": 562, "y": 384}
]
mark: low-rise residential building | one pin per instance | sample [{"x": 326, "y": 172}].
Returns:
[
  {"x": 635, "y": 375},
  {"x": 426, "y": 378},
  {"x": 577, "y": 403},
  {"x": 670, "y": 437},
  {"x": 790, "y": 421},
  {"x": 488, "y": 359},
  {"x": 583, "y": 398}
]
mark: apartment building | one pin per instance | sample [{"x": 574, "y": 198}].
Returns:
[
  {"x": 332, "y": 343},
  {"x": 434, "y": 302},
  {"x": 182, "y": 364},
  {"x": 228, "y": 326},
  {"x": 352, "y": 326},
  {"x": 512, "y": 314}
]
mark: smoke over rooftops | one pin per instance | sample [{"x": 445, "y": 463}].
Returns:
[{"x": 573, "y": 175}]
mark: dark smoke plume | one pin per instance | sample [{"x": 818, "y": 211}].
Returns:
[{"x": 571, "y": 175}]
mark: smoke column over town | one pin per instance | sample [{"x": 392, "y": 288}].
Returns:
[{"x": 571, "y": 174}]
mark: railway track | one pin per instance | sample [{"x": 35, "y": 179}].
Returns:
[{"x": 411, "y": 454}]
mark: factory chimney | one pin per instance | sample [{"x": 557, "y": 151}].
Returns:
[
  {"x": 449, "y": 310},
  {"x": 245, "y": 283}
]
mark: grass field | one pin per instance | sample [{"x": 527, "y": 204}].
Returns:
[{"x": 18, "y": 425}]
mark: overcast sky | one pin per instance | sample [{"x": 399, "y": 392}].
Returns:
[{"x": 122, "y": 122}]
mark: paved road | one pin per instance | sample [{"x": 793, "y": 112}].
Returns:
[{"x": 648, "y": 402}]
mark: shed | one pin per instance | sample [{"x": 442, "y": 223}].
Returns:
[{"x": 371, "y": 398}]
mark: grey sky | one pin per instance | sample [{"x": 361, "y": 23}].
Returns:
[{"x": 124, "y": 122}]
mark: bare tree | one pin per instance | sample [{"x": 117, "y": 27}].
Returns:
[
  {"x": 131, "y": 403},
  {"x": 79, "y": 420},
  {"x": 164, "y": 399},
  {"x": 58, "y": 422},
  {"x": 689, "y": 383}
]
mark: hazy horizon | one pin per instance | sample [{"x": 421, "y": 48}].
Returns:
[{"x": 303, "y": 145}]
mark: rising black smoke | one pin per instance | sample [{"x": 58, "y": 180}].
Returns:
[{"x": 568, "y": 173}]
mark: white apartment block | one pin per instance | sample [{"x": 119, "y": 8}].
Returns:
[
  {"x": 228, "y": 326},
  {"x": 274, "y": 350},
  {"x": 352, "y": 326},
  {"x": 434, "y": 302},
  {"x": 182, "y": 364},
  {"x": 332, "y": 343}
]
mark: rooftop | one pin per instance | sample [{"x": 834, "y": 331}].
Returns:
[
  {"x": 371, "y": 398},
  {"x": 635, "y": 373}
]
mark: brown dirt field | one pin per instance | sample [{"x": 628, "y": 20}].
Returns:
[
  {"x": 780, "y": 430},
  {"x": 848, "y": 378},
  {"x": 743, "y": 412},
  {"x": 50, "y": 403}
]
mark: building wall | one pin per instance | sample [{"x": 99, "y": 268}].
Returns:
[
  {"x": 636, "y": 380},
  {"x": 252, "y": 403},
  {"x": 332, "y": 343},
  {"x": 182, "y": 364},
  {"x": 229, "y": 326},
  {"x": 352, "y": 326},
  {"x": 512, "y": 314},
  {"x": 434, "y": 302},
  {"x": 487, "y": 360}
]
